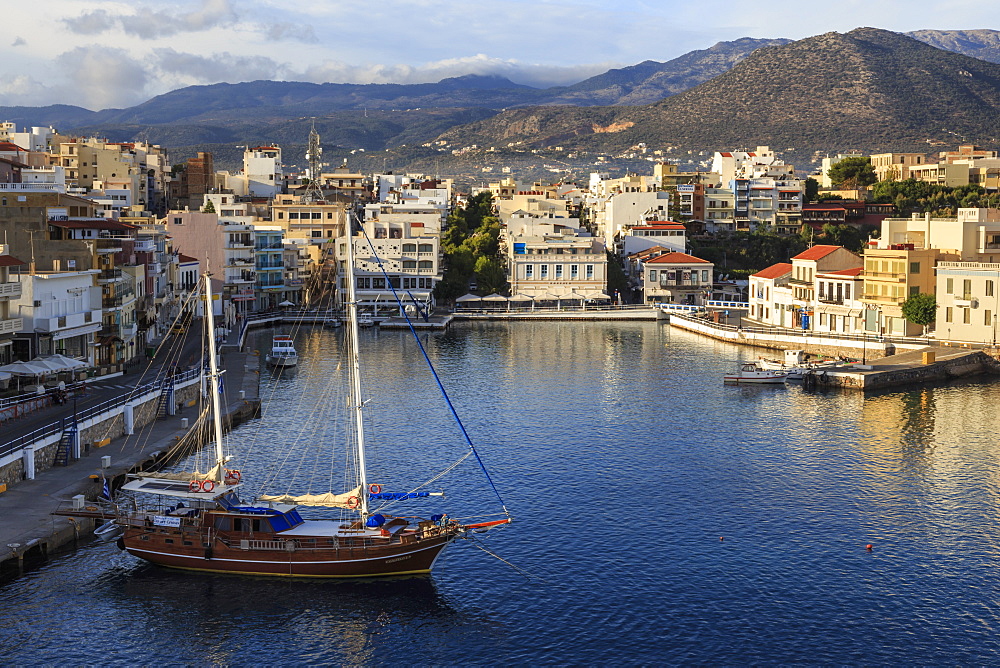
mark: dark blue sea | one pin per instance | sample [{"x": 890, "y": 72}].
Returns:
[{"x": 660, "y": 517}]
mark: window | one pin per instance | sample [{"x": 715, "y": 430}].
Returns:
[
  {"x": 590, "y": 272},
  {"x": 967, "y": 288},
  {"x": 847, "y": 291},
  {"x": 559, "y": 272},
  {"x": 914, "y": 267},
  {"x": 704, "y": 275},
  {"x": 988, "y": 317},
  {"x": 426, "y": 248},
  {"x": 426, "y": 264},
  {"x": 966, "y": 316},
  {"x": 949, "y": 286},
  {"x": 947, "y": 314},
  {"x": 544, "y": 271},
  {"x": 989, "y": 288},
  {"x": 652, "y": 276},
  {"x": 409, "y": 264},
  {"x": 317, "y": 233},
  {"x": 914, "y": 290},
  {"x": 409, "y": 248},
  {"x": 574, "y": 271},
  {"x": 529, "y": 271}
]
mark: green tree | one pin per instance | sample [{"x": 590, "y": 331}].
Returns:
[
  {"x": 812, "y": 189},
  {"x": 852, "y": 173},
  {"x": 209, "y": 207},
  {"x": 617, "y": 282},
  {"x": 920, "y": 309},
  {"x": 491, "y": 275}
]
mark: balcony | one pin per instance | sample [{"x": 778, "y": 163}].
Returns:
[
  {"x": 118, "y": 300},
  {"x": 109, "y": 275},
  {"x": 32, "y": 187},
  {"x": 145, "y": 246},
  {"x": 830, "y": 300},
  {"x": 128, "y": 331},
  {"x": 68, "y": 321},
  {"x": 105, "y": 246},
  {"x": 883, "y": 299},
  {"x": 11, "y": 325},
  {"x": 10, "y": 290}
]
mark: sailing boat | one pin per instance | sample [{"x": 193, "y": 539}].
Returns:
[{"x": 209, "y": 527}]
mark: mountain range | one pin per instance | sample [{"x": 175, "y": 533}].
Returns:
[{"x": 830, "y": 91}]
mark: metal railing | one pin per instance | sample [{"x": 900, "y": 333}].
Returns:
[{"x": 53, "y": 428}]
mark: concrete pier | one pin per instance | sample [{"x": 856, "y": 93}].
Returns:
[{"x": 29, "y": 533}]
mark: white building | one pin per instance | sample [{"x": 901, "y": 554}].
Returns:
[
  {"x": 61, "y": 312},
  {"x": 771, "y": 296},
  {"x": 550, "y": 258}
]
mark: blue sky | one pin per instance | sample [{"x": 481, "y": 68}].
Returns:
[{"x": 106, "y": 53}]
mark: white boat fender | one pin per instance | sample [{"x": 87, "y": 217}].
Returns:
[{"x": 107, "y": 527}]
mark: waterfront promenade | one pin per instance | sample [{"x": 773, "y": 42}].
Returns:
[{"x": 28, "y": 531}]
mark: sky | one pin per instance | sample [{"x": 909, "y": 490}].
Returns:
[{"x": 103, "y": 53}]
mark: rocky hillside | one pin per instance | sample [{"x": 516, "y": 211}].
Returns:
[{"x": 866, "y": 89}]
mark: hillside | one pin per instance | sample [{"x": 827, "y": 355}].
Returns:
[
  {"x": 868, "y": 89},
  {"x": 981, "y": 44}
]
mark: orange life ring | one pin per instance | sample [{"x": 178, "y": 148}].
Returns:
[
  {"x": 375, "y": 488},
  {"x": 234, "y": 475},
  {"x": 207, "y": 485},
  {"x": 194, "y": 486},
  {"x": 353, "y": 502}
]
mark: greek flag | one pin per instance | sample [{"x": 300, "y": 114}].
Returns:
[{"x": 106, "y": 492}]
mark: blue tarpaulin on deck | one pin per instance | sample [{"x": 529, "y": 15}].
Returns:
[{"x": 397, "y": 496}]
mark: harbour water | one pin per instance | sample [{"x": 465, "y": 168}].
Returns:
[{"x": 661, "y": 516}]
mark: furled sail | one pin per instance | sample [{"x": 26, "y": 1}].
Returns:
[
  {"x": 349, "y": 499},
  {"x": 213, "y": 474}
]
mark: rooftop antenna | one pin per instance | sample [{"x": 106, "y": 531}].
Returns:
[{"x": 313, "y": 191}]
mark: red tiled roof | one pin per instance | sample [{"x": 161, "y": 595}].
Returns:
[
  {"x": 775, "y": 270},
  {"x": 10, "y": 261},
  {"x": 856, "y": 271},
  {"x": 816, "y": 252},
  {"x": 677, "y": 258},
  {"x": 9, "y": 146},
  {"x": 186, "y": 258}
]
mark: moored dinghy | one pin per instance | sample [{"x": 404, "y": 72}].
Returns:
[{"x": 751, "y": 373}]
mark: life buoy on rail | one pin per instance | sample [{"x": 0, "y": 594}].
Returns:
[
  {"x": 194, "y": 486},
  {"x": 353, "y": 502},
  {"x": 375, "y": 488},
  {"x": 207, "y": 485},
  {"x": 234, "y": 474}
]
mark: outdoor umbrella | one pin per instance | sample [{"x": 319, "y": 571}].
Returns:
[
  {"x": 31, "y": 369},
  {"x": 52, "y": 365},
  {"x": 286, "y": 303},
  {"x": 70, "y": 362}
]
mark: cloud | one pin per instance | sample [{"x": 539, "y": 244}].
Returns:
[
  {"x": 277, "y": 32},
  {"x": 102, "y": 75},
  {"x": 19, "y": 42},
  {"x": 518, "y": 72},
  {"x": 193, "y": 68},
  {"x": 148, "y": 24}
]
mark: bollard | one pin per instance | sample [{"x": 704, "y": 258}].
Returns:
[
  {"x": 105, "y": 462},
  {"x": 184, "y": 423},
  {"x": 243, "y": 395}
]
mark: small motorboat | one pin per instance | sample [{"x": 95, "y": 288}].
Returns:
[
  {"x": 332, "y": 323},
  {"x": 751, "y": 373},
  {"x": 282, "y": 352}
]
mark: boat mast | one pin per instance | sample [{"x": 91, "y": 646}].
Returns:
[
  {"x": 355, "y": 366},
  {"x": 213, "y": 377}
]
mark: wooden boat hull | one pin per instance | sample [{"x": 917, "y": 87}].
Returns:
[{"x": 346, "y": 562}]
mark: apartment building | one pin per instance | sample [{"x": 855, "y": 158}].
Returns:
[
  {"x": 675, "y": 278},
  {"x": 806, "y": 266},
  {"x": 896, "y": 166},
  {"x": 968, "y": 300},
  {"x": 10, "y": 290},
  {"x": 550, "y": 259}
]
